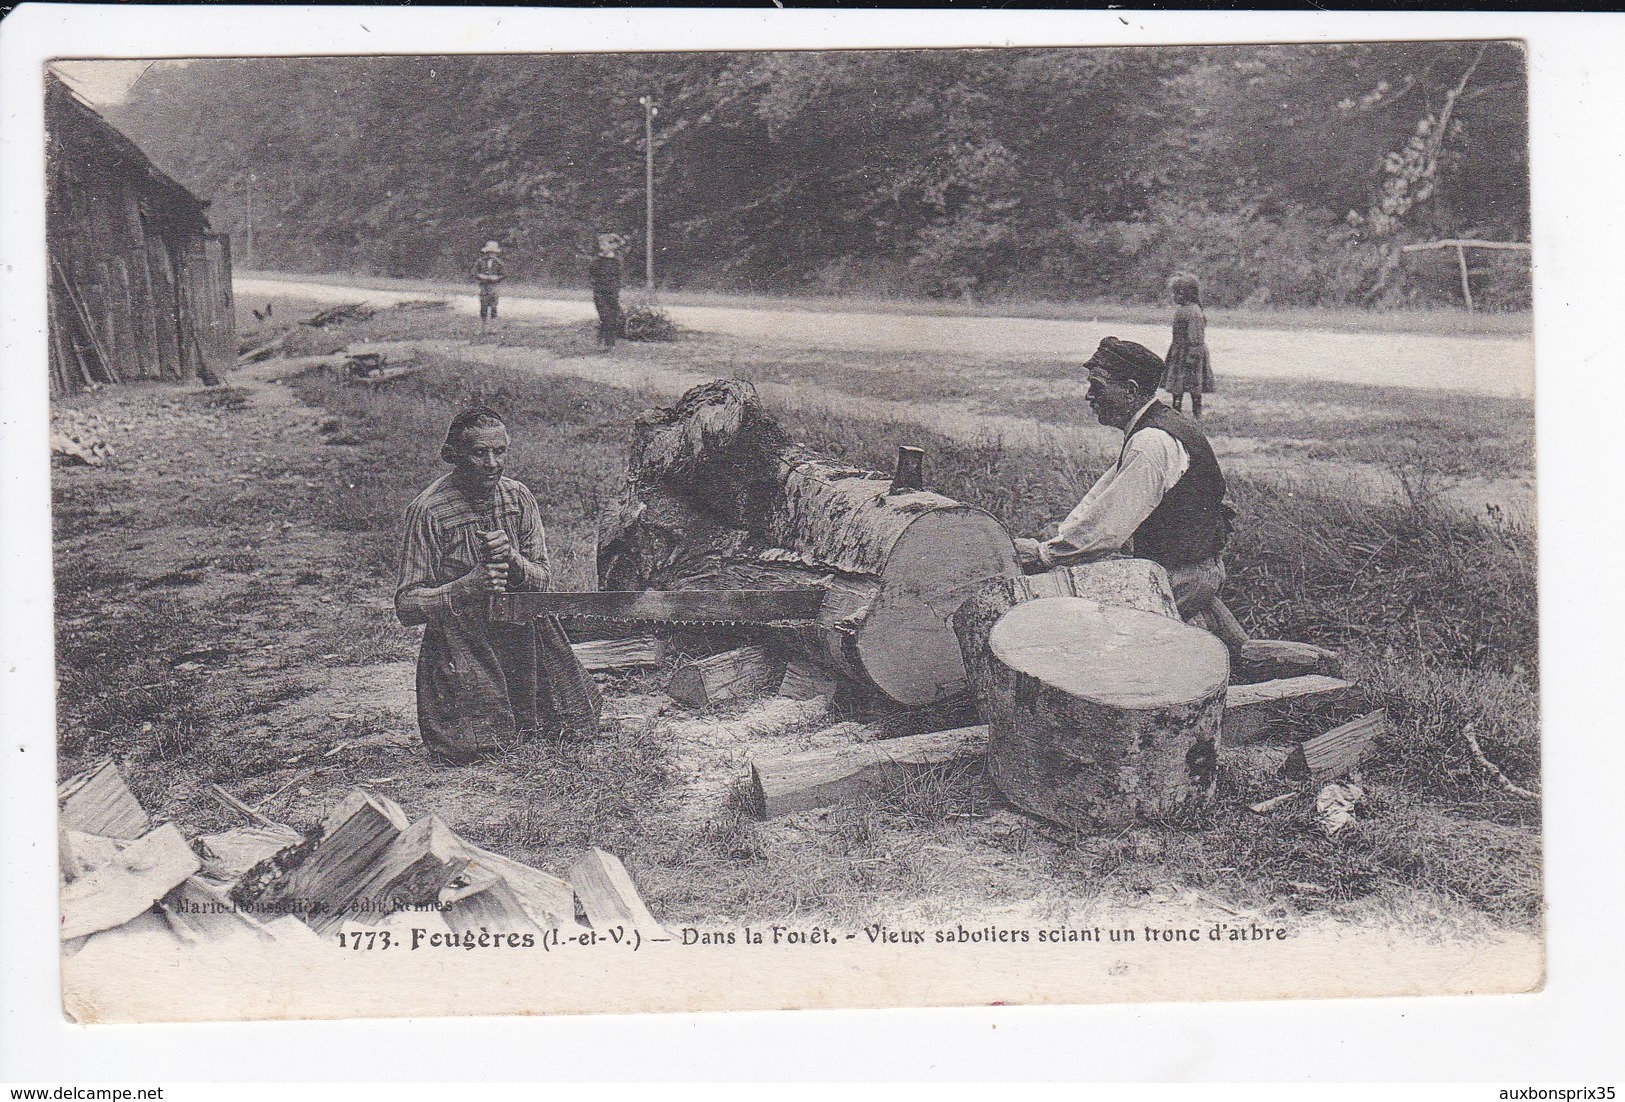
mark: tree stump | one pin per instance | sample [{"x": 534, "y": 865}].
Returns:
[
  {"x": 1131, "y": 583},
  {"x": 1099, "y": 714},
  {"x": 717, "y": 498}
]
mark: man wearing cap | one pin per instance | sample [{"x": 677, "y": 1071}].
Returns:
[
  {"x": 1164, "y": 497},
  {"x": 483, "y": 686},
  {"x": 488, "y": 273}
]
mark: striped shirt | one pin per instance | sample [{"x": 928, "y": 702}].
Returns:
[{"x": 442, "y": 543}]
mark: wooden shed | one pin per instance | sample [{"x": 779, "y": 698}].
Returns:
[{"x": 139, "y": 286}]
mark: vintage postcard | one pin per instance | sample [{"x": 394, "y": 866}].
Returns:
[{"x": 631, "y": 530}]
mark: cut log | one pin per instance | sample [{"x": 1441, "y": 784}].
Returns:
[
  {"x": 609, "y": 897},
  {"x": 1337, "y": 753},
  {"x": 731, "y": 675},
  {"x": 620, "y": 654},
  {"x": 409, "y": 875},
  {"x": 1251, "y": 710},
  {"x": 336, "y": 869},
  {"x": 805, "y": 681},
  {"x": 717, "y": 499},
  {"x": 843, "y": 774},
  {"x": 1099, "y": 715},
  {"x": 1128, "y": 583},
  {"x": 229, "y": 854},
  {"x": 112, "y": 895},
  {"x": 1283, "y": 658},
  {"x": 98, "y": 802},
  {"x": 549, "y": 901}
]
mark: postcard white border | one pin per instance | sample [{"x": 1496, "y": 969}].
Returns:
[{"x": 1569, "y": 1032}]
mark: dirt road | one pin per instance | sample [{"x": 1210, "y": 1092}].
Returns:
[{"x": 1501, "y": 366}]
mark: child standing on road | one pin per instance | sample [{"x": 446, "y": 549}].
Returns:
[
  {"x": 1189, "y": 369},
  {"x": 488, "y": 273}
]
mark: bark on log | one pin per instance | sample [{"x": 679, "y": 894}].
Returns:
[
  {"x": 1129, "y": 583},
  {"x": 620, "y": 654},
  {"x": 717, "y": 498},
  {"x": 1099, "y": 715},
  {"x": 1284, "y": 658}
]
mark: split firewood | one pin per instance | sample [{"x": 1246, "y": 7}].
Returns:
[
  {"x": 731, "y": 675},
  {"x": 81, "y": 853},
  {"x": 207, "y": 913},
  {"x": 804, "y": 681},
  {"x": 1128, "y": 583},
  {"x": 548, "y": 900},
  {"x": 98, "y": 802},
  {"x": 608, "y": 895},
  {"x": 718, "y": 498},
  {"x": 1283, "y": 658},
  {"x": 410, "y": 874},
  {"x": 1100, "y": 714},
  {"x": 1250, "y": 710},
  {"x": 143, "y": 873},
  {"x": 325, "y": 875},
  {"x": 620, "y": 654},
  {"x": 230, "y": 853},
  {"x": 488, "y": 903},
  {"x": 843, "y": 774},
  {"x": 1337, "y": 753}
]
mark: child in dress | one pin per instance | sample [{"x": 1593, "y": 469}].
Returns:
[{"x": 1189, "y": 369}]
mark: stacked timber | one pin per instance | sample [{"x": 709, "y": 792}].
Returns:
[
  {"x": 716, "y": 497},
  {"x": 365, "y": 867}
]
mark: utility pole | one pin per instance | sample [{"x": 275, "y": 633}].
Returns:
[
  {"x": 248, "y": 244},
  {"x": 650, "y": 110}
]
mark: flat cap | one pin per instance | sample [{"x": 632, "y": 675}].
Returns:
[{"x": 1125, "y": 360}]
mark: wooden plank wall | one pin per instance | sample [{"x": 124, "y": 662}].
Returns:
[{"x": 136, "y": 291}]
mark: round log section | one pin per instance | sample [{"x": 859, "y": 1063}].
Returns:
[
  {"x": 717, "y": 498},
  {"x": 1131, "y": 583},
  {"x": 1100, "y": 715}
]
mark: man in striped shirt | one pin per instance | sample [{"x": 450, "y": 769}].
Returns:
[{"x": 483, "y": 686}]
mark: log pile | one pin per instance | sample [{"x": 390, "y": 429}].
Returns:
[
  {"x": 367, "y": 865},
  {"x": 716, "y": 497}
]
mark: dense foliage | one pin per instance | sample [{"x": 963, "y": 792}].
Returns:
[{"x": 1286, "y": 174}]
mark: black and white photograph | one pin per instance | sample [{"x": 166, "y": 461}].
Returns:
[{"x": 746, "y": 529}]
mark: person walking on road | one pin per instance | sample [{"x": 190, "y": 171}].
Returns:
[
  {"x": 1190, "y": 371},
  {"x": 488, "y": 273},
  {"x": 605, "y": 276}
]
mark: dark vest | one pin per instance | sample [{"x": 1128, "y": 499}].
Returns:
[{"x": 1191, "y": 523}]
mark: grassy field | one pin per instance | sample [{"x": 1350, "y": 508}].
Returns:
[{"x": 1434, "y": 606}]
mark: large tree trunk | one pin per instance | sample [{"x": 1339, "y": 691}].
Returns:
[
  {"x": 717, "y": 498},
  {"x": 1099, "y": 714}
]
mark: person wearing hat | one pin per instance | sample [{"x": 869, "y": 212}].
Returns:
[
  {"x": 483, "y": 686},
  {"x": 605, "y": 275},
  {"x": 488, "y": 273},
  {"x": 1162, "y": 500}
]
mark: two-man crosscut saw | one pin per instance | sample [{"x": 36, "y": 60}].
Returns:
[{"x": 768, "y": 608}]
